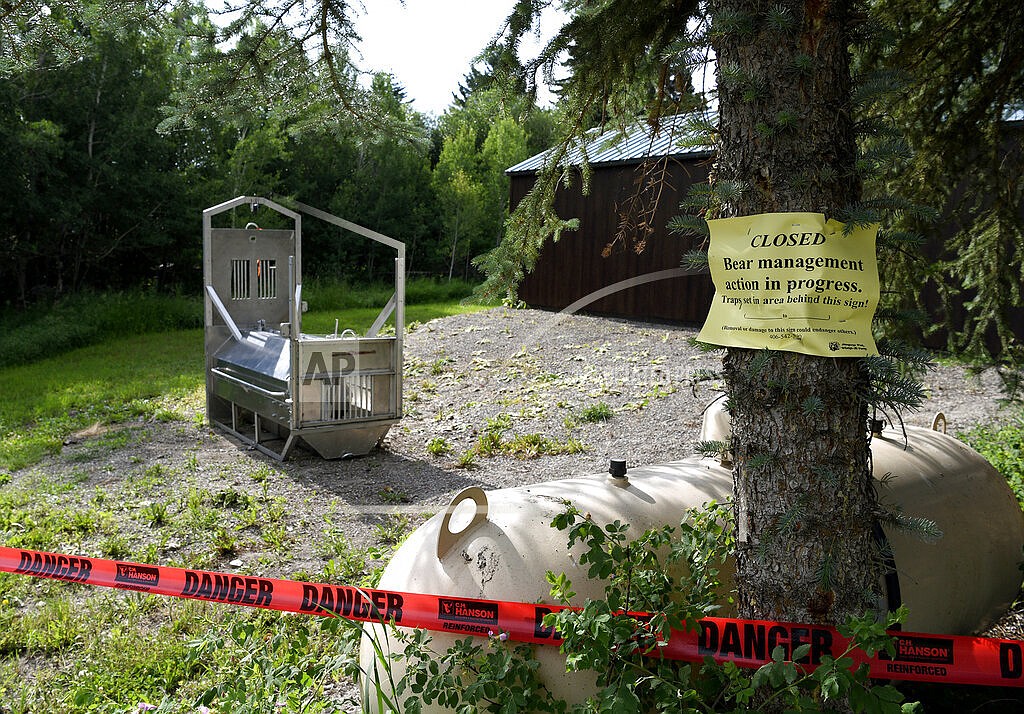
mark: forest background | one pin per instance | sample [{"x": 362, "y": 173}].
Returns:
[
  {"x": 104, "y": 189},
  {"x": 120, "y": 122}
]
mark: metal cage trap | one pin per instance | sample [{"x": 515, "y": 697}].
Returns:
[{"x": 268, "y": 383}]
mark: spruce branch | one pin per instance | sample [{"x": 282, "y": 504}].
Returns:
[
  {"x": 696, "y": 260},
  {"x": 687, "y": 224},
  {"x": 712, "y": 449},
  {"x": 924, "y": 528}
]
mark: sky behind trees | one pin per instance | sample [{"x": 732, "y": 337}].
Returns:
[{"x": 428, "y": 45}]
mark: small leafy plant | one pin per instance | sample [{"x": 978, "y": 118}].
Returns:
[
  {"x": 596, "y": 413},
  {"x": 438, "y": 446},
  {"x": 1003, "y": 447}
]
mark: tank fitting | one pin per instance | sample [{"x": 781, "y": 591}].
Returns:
[{"x": 617, "y": 469}]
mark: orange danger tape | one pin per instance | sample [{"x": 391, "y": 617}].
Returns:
[{"x": 950, "y": 659}]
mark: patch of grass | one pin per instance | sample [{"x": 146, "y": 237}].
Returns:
[
  {"x": 51, "y": 628},
  {"x": 595, "y": 413},
  {"x": 34, "y": 522},
  {"x": 360, "y": 319},
  {"x": 81, "y": 320},
  {"x": 341, "y": 295},
  {"x": 356, "y": 307},
  {"x": 124, "y": 379},
  {"x": 172, "y": 653},
  {"x": 290, "y": 664}
]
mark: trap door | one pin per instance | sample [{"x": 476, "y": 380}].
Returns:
[{"x": 249, "y": 271}]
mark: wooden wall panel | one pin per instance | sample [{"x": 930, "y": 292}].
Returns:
[{"x": 575, "y": 267}]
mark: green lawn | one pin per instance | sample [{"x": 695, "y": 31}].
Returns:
[
  {"x": 152, "y": 376},
  {"x": 140, "y": 376}
]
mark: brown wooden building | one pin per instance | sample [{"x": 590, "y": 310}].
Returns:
[
  {"x": 628, "y": 207},
  {"x": 616, "y": 262}
]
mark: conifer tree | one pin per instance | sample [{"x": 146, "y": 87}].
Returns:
[
  {"x": 803, "y": 500},
  {"x": 960, "y": 83},
  {"x": 804, "y": 504}
]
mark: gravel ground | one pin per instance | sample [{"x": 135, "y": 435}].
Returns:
[
  {"x": 540, "y": 372},
  {"x": 535, "y": 373}
]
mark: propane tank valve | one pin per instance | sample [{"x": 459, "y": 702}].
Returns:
[{"x": 617, "y": 470}]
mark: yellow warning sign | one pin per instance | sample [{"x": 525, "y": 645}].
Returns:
[{"x": 793, "y": 282}]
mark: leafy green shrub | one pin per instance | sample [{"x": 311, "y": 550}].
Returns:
[
  {"x": 1003, "y": 447},
  {"x": 497, "y": 676}
]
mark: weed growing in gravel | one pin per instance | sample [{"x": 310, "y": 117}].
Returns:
[
  {"x": 155, "y": 513},
  {"x": 262, "y": 473},
  {"x": 493, "y": 442},
  {"x": 531, "y": 446},
  {"x": 116, "y": 547},
  {"x": 466, "y": 460},
  {"x": 201, "y": 517},
  {"x": 438, "y": 446},
  {"x": 596, "y": 413},
  {"x": 440, "y": 366},
  {"x": 489, "y": 444},
  {"x": 276, "y": 536},
  {"x": 393, "y": 529},
  {"x": 224, "y": 541},
  {"x": 392, "y": 495},
  {"x": 334, "y": 542},
  {"x": 656, "y": 393},
  {"x": 231, "y": 498}
]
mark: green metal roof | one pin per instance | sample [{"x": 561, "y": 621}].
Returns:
[{"x": 675, "y": 135}]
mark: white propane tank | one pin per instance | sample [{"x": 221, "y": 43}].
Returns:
[
  {"x": 965, "y": 580},
  {"x": 499, "y": 545}
]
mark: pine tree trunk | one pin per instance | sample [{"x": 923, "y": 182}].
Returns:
[{"x": 803, "y": 496}]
